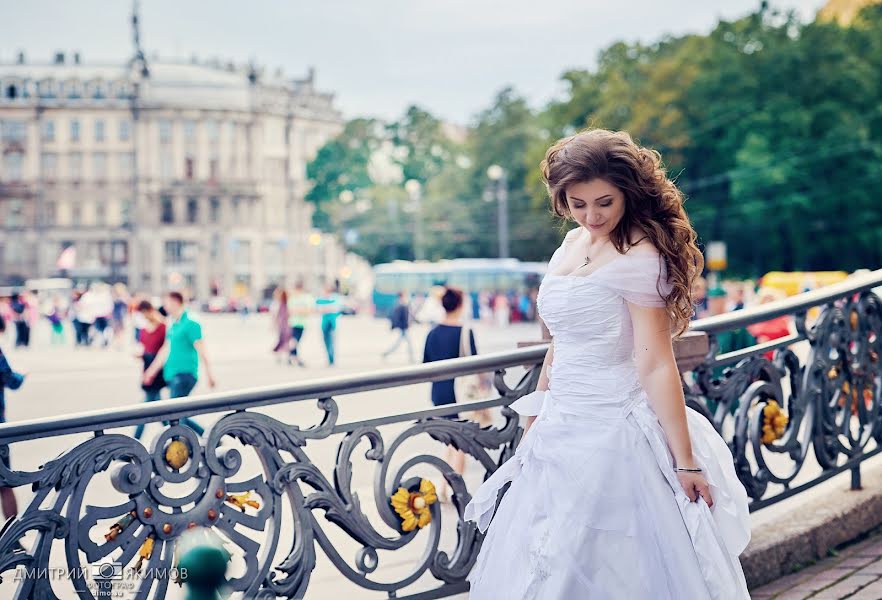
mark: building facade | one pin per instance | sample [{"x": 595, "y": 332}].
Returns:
[{"x": 161, "y": 175}]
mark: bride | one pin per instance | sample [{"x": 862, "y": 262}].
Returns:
[{"x": 617, "y": 489}]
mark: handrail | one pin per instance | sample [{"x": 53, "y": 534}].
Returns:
[
  {"x": 795, "y": 304},
  {"x": 178, "y": 408}
]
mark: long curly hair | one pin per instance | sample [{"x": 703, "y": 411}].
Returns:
[{"x": 653, "y": 204}]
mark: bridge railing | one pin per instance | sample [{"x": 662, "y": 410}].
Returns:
[{"x": 792, "y": 419}]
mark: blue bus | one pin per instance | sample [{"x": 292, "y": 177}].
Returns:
[{"x": 471, "y": 275}]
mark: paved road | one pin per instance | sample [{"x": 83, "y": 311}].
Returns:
[
  {"x": 65, "y": 380},
  {"x": 854, "y": 573}
]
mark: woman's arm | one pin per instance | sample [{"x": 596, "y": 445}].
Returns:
[
  {"x": 542, "y": 385},
  {"x": 657, "y": 370}
]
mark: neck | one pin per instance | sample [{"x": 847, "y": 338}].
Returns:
[{"x": 451, "y": 319}]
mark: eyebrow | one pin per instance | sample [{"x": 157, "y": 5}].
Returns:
[{"x": 596, "y": 199}]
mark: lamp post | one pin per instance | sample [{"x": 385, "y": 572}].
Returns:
[
  {"x": 497, "y": 175},
  {"x": 415, "y": 193}
]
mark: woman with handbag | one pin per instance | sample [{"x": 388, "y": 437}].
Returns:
[
  {"x": 152, "y": 337},
  {"x": 451, "y": 339}
]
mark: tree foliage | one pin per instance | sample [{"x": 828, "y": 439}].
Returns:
[{"x": 772, "y": 128}]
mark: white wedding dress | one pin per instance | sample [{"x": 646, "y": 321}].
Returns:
[{"x": 595, "y": 510}]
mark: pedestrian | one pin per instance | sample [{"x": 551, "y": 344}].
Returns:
[
  {"x": 449, "y": 340},
  {"x": 56, "y": 321},
  {"x": 120, "y": 310},
  {"x": 180, "y": 355},
  {"x": 19, "y": 315},
  {"x": 329, "y": 305},
  {"x": 78, "y": 319},
  {"x": 400, "y": 320},
  {"x": 12, "y": 380},
  {"x": 152, "y": 338},
  {"x": 99, "y": 295},
  {"x": 699, "y": 298},
  {"x": 773, "y": 329},
  {"x": 280, "y": 324},
  {"x": 301, "y": 305}
]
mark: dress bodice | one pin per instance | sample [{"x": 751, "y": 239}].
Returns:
[{"x": 593, "y": 336}]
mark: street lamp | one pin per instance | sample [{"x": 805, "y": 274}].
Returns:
[
  {"x": 497, "y": 175},
  {"x": 346, "y": 196},
  {"x": 414, "y": 192}
]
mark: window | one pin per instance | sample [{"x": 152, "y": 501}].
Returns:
[
  {"x": 188, "y": 167},
  {"x": 126, "y": 165},
  {"x": 76, "y": 215},
  {"x": 76, "y": 165},
  {"x": 214, "y": 209},
  {"x": 168, "y": 210},
  {"x": 48, "y": 131},
  {"x": 99, "y": 165},
  {"x": 99, "y": 130},
  {"x": 14, "y": 162},
  {"x": 74, "y": 130},
  {"x": 125, "y": 213},
  {"x": 237, "y": 210},
  {"x": 15, "y": 213},
  {"x": 166, "y": 167},
  {"x": 242, "y": 253},
  {"x": 165, "y": 130},
  {"x": 179, "y": 252},
  {"x": 212, "y": 169},
  {"x": 14, "y": 131},
  {"x": 100, "y": 213},
  {"x": 46, "y": 89},
  {"x": 212, "y": 128},
  {"x": 190, "y": 130},
  {"x": 49, "y": 213},
  {"x": 125, "y": 130},
  {"x": 49, "y": 165},
  {"x": 11, "y": 92},
  {"x": 192, "y": 210}
]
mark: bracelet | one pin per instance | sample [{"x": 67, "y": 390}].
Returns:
[{"x": 686, "y": 470}]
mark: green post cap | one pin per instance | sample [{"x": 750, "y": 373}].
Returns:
[{"x": 202, "y": 564}]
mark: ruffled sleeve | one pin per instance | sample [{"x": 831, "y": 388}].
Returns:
[
  {"x": 558, "y": 255},
  {"x": 641, "y": 279}
]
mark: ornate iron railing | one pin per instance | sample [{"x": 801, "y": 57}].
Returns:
[{"x": 252, "y": 480}]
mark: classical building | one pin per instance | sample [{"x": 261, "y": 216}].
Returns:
[{"x": 161, "y": 174}]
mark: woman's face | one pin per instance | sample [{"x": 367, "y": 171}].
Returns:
[{"x": 596, "y": 205}]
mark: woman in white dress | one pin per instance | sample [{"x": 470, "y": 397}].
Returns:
[{"x": 618, "y": 490}]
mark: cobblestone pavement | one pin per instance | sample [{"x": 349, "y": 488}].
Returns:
[{"x": 855, "y": 572}]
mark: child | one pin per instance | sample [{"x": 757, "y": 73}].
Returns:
[{"x": 12, "y": 380}]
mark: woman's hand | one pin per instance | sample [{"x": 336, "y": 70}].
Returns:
[{"x": 695, "y": 485}]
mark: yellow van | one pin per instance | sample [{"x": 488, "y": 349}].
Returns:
[{"x": 798, "y": 281}]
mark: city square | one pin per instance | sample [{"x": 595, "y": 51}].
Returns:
[{"x": 442, "y": 301}]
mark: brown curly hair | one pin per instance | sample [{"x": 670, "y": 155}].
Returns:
[{"x": 653, "y": 204}]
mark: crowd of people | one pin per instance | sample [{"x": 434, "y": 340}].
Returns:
[{"x": 97, "y": 315}]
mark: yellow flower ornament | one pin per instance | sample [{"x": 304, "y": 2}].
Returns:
[
  {"x": 774, "y": 422},
  {"x": 413, "y": 507}
]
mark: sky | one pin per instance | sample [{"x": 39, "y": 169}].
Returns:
[{"x": 378, "y": 57}]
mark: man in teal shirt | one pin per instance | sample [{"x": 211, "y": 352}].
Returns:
[
  {"x": 330, "y": 306},
  {"x": 179, "y": 356}
]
